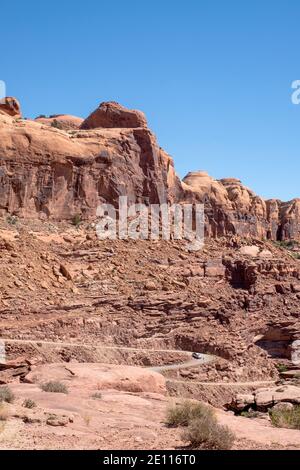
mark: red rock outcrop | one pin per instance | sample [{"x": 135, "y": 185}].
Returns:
[
  {"x": 231, "y": 208},
  {"x": 112, "y": 114},
  {"x": 50, "y": 168},
  {"x": 61, "y": 121},
  {"x": 49, "y": 172},
  {"x": 10, "y": 106}
]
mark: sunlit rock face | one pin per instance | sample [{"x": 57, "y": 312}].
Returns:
[
  {"x": 232, "y": 208},
  {"x": 62, "y": 165}
]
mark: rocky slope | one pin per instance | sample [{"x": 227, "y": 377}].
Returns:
[
  {"x": 67, "y": 297},
  {"x": 57, "y": 167}
]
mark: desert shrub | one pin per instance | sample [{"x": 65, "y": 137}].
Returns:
[
  {"x": 250, "y": 414},
  {"x": 97, "y": 396},
  {"x": 28, "y": 403},
  {"x": 55, "y": 123},
  {"x": 87, "y": 419},
  {"x": 203, "y": 430},
  {"x": 183, "y": 414},
  {"x": 206, "y": 433},
  {"x": 6, "y": 395},
  {"x": 4, "y": 414},
  {"x": 54, "y": 387},
  {"x": 288, "y": 244},
  {"x": 12, "y": 219},
  {"x": 281, "y": 367},
  {"x": 286, "y": 418},
  {"x": 76, "y": 220}
]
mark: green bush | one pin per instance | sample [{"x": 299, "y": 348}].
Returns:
[
  {"x": 54, "y": 387},
  {"x": 6, "y": 395},
  {"x": 286, "y": 418},
  {"x": 281, "y": 368},
  {"x": 206, "y": 433},
  {"x": 76, "y": 220},
  {"x": 181, "y": 415}
]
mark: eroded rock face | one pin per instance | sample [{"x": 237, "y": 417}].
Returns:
[
  {"x": 231, "y": 208},
  {"x": 47, "y": 172},
  {"x": 266, "y": 398},
  {"x": 10, "y": 106},
  {"x": 113, "y": 115},
  {"x": 61, "y": 166}
]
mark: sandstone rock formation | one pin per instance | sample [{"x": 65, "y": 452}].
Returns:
[
  {"x": 263, "y": 399},
  {"x": 101, "y": 376},
  {"x": 231, "y": 208},
  {"x": 51, "y": 169},
  {"x": 113, "y": 115},
  {"x": 10, "y": 106},
  {"x": 51, "y": 173},
  {"x": 61, "y": 121}
]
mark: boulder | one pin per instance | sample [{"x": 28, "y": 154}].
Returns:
[
  {"x": 263, "y": 399},
  {"x": 252, "y": 250},
  {"x": 266, "y": 398},
  {"x": 10, "y": 106},
  {"x": 283, "y": 407},
  {"x": 113, "y": 115}
]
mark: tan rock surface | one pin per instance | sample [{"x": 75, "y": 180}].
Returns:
[
  {"x": 100, "y": 376},
  {"x": 61, "y": 121}
]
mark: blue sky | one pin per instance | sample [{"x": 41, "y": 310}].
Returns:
[{"x": 213, "y": 77}]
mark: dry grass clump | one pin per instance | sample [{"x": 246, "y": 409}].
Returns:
[
  {"x": 54, "y": 387},
  {"x": 286, "y": 418},
  {"x": 202, "y": 428},
  {"x": 6, "y": 395}
]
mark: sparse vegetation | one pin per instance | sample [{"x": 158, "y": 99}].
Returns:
[
  {"x": 6, "y": 395},
  {"x": 281, "y": 368},
  {"x": 55, "y": 123},
  {"x": 208, "y": 434},
  {"x": 12, "y": 219},
  {"x": 251, "y": 414},
  {"x": 4, "y": 414},
  {"x": 28, "y": 403},
  {"x": 54, "y": 387},
  {"x": 183, "y": 414},
  {"x": 287, "y": 244},
  {"x": 87, "y": 419},
  {"x": 286, "y": 418},
  {"x": 202, "y": 428},
  {"x": 76, "y": 220},
  {"x": 97, "y": 396}
]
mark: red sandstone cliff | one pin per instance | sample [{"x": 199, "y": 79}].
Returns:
[{"x": 61, "y": 166}]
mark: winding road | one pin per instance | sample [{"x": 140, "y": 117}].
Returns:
[{"x": 204, "y": 359}]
